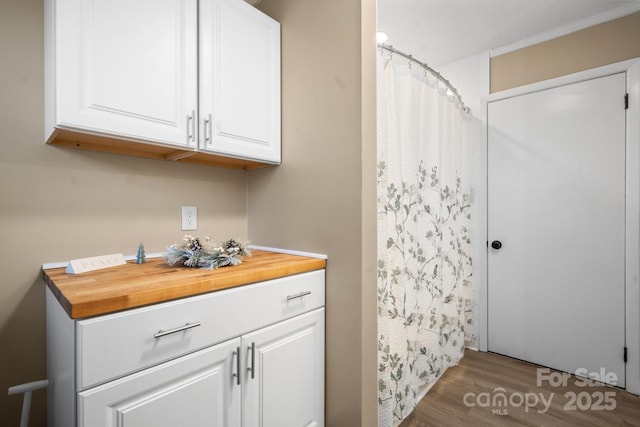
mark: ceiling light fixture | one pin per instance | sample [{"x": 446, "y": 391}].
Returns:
[{"x": 381, "y": 37}]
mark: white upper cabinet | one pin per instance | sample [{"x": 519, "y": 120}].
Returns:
[
  {"x": 126, "y": 69},
  {"x": 193, "y": 76},
  {"x": 239, "y": 80}
]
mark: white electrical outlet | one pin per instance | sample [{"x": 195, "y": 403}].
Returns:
[{"x": 189, "y": 218}]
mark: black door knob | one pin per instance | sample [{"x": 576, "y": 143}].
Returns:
[{"x": 496, "y": 244}]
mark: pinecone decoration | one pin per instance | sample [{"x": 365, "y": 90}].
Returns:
[
  {"x": 231, "y": 247},
  {"x": 193, "y": 244}
]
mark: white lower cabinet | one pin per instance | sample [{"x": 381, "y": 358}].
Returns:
[
  {"x": 281, "y": 384},
  {"x": 194, "y": 390},
  {"x": 285, "y": 373},
  {"x": 244, "y": 357}
]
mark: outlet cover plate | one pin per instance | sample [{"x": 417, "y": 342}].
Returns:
[{"x": 189, "y": 218}]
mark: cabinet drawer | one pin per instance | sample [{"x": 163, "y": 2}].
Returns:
[{"x": 117, "y": 344}]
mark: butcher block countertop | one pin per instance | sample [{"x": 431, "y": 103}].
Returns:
[{"x": 135, "y": 285}]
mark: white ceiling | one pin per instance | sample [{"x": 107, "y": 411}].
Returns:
[{"x": 442, "y": 31}]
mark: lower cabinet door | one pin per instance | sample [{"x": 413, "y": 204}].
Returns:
[
  {"x": 200, "y": 389},
  {"x": 284, "y": 375}
]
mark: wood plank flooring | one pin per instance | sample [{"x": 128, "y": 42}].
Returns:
[{"x": 469, "y": 395}]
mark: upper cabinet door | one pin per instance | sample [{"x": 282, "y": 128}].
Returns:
[
  {"x": 239, "y": 81},
  {"x": 126, "y": 69}
]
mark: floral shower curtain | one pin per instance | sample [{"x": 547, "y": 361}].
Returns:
[{"x": 424, "y": 263}]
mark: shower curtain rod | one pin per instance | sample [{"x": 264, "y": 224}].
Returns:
[{"x": 429, "y": 69}]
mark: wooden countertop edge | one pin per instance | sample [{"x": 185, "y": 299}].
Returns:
[{"x": 82, "y": 307}]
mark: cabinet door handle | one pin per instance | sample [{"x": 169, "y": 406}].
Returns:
[
  {"x": 208, "y": 129},
  {"x": 252, "y": 368},
  {"x": 236, "y": 374},
  {"x": 162, "y": 333},
  {"x": 191, "y": 127},
  {"x": 300, "y": 295}
]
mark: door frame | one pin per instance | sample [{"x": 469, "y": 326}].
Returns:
[{"x": 632, "y": 207}]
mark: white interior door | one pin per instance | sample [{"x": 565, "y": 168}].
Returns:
[{"x": 556, "y": 203}]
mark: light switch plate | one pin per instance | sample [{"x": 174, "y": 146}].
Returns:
[{"x": 189, "y": 218}]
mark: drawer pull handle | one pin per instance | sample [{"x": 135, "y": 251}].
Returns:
[
  {"x": 162, "y": 333},
  {"x": 236, "y": 374},
  {"x": 300, "y": 295}
]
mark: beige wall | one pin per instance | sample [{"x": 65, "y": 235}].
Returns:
[
  {"x": 57, "y": 204},
  {"x": 315, "y": 201},
  {"x": 603, "y": 44}
]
